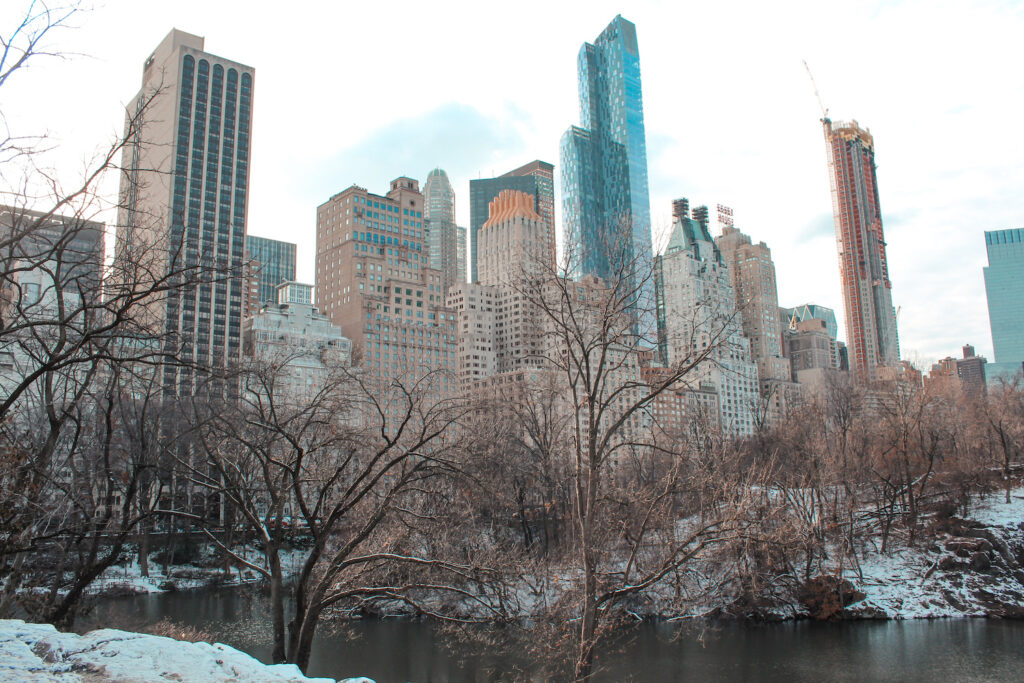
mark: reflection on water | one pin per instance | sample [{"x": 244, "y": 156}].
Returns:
[{"x": 398, "y": 651}]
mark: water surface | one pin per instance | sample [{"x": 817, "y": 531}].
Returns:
[{"x": 395, "y": 651}]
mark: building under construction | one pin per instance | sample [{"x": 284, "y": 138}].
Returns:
[{"x": 867, "y": 291}]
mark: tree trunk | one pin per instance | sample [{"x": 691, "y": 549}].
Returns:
[
  {"x": 144, "y": 553},
  {"x": 304, "y": 645},
  {"x": 588, "y": 632},
  {"x": 276, "y": 604}
]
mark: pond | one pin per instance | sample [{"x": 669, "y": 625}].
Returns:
[{"x": 391, "y": 651}]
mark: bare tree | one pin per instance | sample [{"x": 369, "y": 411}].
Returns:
[
  {"x": 353, "y": 468},
  {"x": 1003, "y": 415},
  {"x": 631, "y": 489},
  {"x": 73, "y": 329}
]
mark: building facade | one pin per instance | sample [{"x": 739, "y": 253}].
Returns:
[
  {"x": 536, "y": 179},
  {"x": 863, "y": 267},
  {"x": 273, "y": 263},
  {"x": 966, "y": 374},
  {"x": 184, "y": 198},
  {"x": 757, "y": 300},
  {"x": 499, "y": 329},
  {"x": 446, "y": 242},
  {"x": 300, "y": 341},
  {"x": 1004, "y": 289},
  {"x": 374, "y": 280},
  {"x": 51, "y": 269},
  {"x": 605, "y": 198},
  {"x": 696, "y": 310},
  {"x": 804, "y": 312}
]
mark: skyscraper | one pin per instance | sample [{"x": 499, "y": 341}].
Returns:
[
  {"x": 605, "y": 202},
  {"x": 1004, "y": 289},
  {"x": 441, "y": 232},
  {"x": 791, "y": 317},
  {"x": 184, "y": 197},
  {"x": 275, "y": 263},
  {"x": 697, "y": 315},
  {"x": 757, "y": 300},
  {"x": 536, "y": 178},
  {"x": 499, "y": 326},
  {"x": 863, "y": 268},
  {"x": 752, "y": 273},
  {"x": 373, "y": 280},
  {"x": 808, "y": 311}
]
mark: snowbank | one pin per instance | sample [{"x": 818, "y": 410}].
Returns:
[{"x": 32, "y": 653}]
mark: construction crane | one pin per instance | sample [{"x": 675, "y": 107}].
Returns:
[{"x": 824, "y": 109}]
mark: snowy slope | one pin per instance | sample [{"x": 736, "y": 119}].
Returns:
[{"x": 938, "y": 580}]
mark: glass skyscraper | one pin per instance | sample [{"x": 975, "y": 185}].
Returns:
[
  {"x": 810, "y": 311},
  {"x": 605, "y": 201},
  {"x": 1004, "y": 288},
  {"x": 441, "y": 234},
  {"x": 275, "y": 263}
]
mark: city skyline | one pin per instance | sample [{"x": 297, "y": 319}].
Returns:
[{"x": 936, "y": 199}]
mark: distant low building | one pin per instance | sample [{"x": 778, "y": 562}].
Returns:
[
  {"x": 965, "y": 374},
  {"x": 294, "y": 335}
]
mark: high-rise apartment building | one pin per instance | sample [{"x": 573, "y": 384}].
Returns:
[
  {"x": 791, "y": 317},
  {"x": 808, "y": 311},
  {"x": 442, "y": 236},
  {"x": 752, "y": 272},
  {"x": 606, "y": 209},
  {"x": 1004, "y": 289},
  {"x": 499, "y": 328},
  {"x": 863, "y": 268},
  {"x": 757, "y": 300},
  {"x": 274, "y": 263},
  {"x": 696, "y": 311},
  {"x": 184, "y": 197},
  {"x": 536, "y": 179},
  {"x": 50, "y": 290},
  {"x": 374, "y": 280},
  {"x": 809, "y": 346}
]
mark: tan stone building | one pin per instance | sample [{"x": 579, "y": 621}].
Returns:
[
  {"x": 752, "y": 273},
  {"x": 184, "y": 199},
  {"x": 373, "y": 279},
  {"x": 499, "y": 329}
]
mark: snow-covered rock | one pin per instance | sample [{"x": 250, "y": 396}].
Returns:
[{"x": 31, "y": 653}]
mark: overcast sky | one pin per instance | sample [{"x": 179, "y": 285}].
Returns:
[{"x": 364, "y": 92}]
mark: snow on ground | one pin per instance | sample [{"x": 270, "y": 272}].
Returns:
[
  {"x": 129, "y": 579},
  {"x": 992, "y": 510},
  {"x": 31, "y": 653},
  {"x": 911, "y": 584}
]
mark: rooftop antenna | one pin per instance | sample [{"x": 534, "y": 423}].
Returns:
[{"x": 824, "y": 109}]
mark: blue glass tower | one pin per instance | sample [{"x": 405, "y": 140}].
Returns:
[
  {"x": 1004, "y": 288},
  {"x": 605, "y": 199}
]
